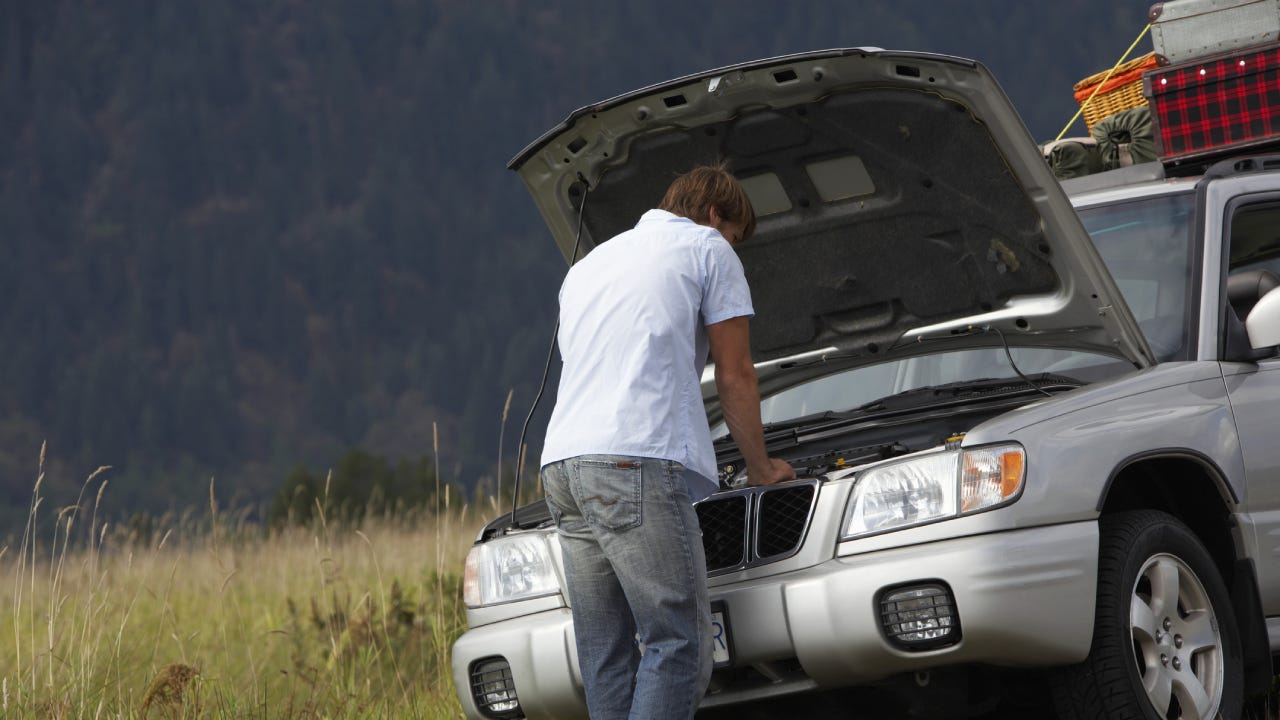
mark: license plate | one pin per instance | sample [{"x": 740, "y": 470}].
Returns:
[{"x": 721, "y": 652}]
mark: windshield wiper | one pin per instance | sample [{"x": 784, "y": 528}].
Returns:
[
  {"x": 931, "y": 394},
  {"x": 919, "y": 398},
  {"x": 774, "y": 427}
]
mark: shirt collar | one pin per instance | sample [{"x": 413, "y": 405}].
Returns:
[{"x": 656, "y": 215}]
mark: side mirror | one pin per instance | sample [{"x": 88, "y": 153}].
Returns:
[{"x": 1263, "y": 323}]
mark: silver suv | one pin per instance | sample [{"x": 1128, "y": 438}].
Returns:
[{"x": 1029, "y": 436}]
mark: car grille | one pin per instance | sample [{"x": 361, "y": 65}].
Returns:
[{"x": 755, "y": 526}]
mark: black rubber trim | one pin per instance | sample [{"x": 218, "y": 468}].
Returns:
[
  {"x": 1219, "y": 478},
  {"x": 1252, "y": 626},
  {"x": 1226, "y": 351}
]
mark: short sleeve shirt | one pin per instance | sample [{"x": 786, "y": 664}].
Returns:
[{"x": 633, "y": 317}]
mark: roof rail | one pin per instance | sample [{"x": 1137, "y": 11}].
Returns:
[
  {"x": 1142, "y": 172},
  {"x": 1242, "y": 165}
]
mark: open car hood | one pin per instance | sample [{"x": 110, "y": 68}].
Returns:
[{"x": 902, "y": 206}]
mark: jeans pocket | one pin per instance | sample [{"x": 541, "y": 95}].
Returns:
[
  {"x": 554, "y": 510},
  {"x": 609, "y": 493}
]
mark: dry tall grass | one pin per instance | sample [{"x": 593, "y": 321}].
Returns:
[{"x": 212, "y": 617}]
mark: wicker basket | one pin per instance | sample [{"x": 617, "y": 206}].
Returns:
[{"x": 1123, "y": 90}]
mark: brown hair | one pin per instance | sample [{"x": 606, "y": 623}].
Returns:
[{"x": 693, "y": 194}]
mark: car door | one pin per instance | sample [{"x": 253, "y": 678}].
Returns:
[{"x": 1252, "y": 230}]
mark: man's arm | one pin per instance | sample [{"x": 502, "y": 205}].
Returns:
[{"x": 740, "y": 400}]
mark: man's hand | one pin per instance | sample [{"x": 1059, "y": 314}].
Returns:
[{"x": 775, "y": 472}]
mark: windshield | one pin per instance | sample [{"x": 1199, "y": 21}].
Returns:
[
  {"x": 860, "y": 386},
  {"x": 1145, "y": 243}
]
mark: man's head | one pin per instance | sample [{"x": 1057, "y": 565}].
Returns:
[{"x": 709, "y": 195}]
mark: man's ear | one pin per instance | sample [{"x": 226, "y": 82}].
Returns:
[{"x": 714, "y": 216}]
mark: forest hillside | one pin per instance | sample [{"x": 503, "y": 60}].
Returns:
[{"x": 241, "y": 237}]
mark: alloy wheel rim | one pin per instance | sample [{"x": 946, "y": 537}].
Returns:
[{"x": 1177, "y": 644}]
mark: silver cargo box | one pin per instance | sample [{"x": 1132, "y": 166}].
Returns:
[{"x": 1183, "y": 30}]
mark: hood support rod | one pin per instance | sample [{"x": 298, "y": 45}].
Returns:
[{"x": 546, "y": 368}]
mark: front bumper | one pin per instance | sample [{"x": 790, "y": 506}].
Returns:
[
  {"x": 544, "y": 664},
  {"x": 1025, "y": 598}
]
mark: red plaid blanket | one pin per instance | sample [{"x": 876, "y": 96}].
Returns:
[{"x": 1216, "y": 103}]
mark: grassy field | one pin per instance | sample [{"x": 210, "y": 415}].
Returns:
[
  {"x": 209, "y": 616},
  {"x": 206, "y": 616}
]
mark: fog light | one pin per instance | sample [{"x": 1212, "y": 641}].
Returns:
[
  {"x": 493, "y": 688},
  {"x": 920, "y": 617}
]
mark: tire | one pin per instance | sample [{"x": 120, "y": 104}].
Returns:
[{"x": 1165, "y": 643}]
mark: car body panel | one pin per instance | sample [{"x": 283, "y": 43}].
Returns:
[
  {"x": 1017, "y": 593},
  {"x": 544, "y": 663},
  {"x": 1254, "y": 389},
  {"x": 1175, "y": 407},
  {"x": 1007, "y": 566},
  {"x": 490, "y": 614}
]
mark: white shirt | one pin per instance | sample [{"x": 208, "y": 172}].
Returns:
[{"x": 633, "y": 317}]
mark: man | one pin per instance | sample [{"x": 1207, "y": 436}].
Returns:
[{"x": 628, "y": 449}]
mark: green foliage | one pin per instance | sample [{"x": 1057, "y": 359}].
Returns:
[
  {"x": 296, "y": 502},
  {"x": 359, "y": 486},
  {"x": 393, "y": 634}
]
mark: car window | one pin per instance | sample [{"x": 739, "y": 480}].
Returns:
[
  {"x": 862, "y": 385},
  {"x": 1146, "y": 244},
  {"x": 1255, "y": 238}
]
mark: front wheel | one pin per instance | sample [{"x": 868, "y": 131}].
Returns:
[{"x": 1165, "y": 644}]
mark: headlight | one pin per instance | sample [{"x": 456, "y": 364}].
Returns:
[
  {"x": 516, "y": 567},
  {"x": 934, "y": 487}
]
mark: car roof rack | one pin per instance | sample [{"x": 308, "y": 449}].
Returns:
[
  {"x": 1242, "y": 166},
  {"x": 1142, "y": 172}
]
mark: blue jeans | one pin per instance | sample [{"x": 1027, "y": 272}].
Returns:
[{"x": 634, "y": 564}]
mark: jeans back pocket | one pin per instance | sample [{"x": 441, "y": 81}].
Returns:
[{"x": 609, "y": 493}]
